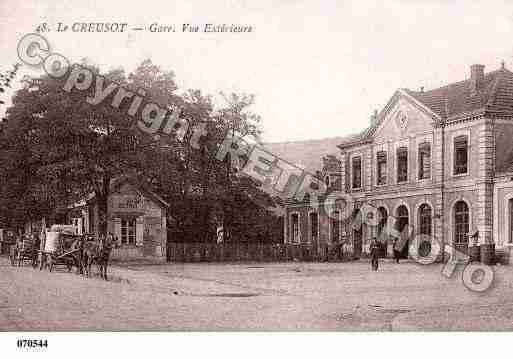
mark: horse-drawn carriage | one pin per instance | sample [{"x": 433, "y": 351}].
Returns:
[
  {"x": 60, "y": 248},
  {"x": 24, "y": 250},
  {"x": 7, "y": 239}
]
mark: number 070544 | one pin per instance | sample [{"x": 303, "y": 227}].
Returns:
[{"x": 32, "y": 343}]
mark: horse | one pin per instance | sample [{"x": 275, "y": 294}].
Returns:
[
  {"x": 72, "y": 245},
  {"x": 98, "y": 252}
]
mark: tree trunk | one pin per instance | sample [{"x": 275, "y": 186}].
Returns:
[{"x": 102, "y": 199}]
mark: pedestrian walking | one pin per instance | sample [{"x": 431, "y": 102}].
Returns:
[
  {"x": 374, "y": 252},
  {"x": 397, "y": 253}
]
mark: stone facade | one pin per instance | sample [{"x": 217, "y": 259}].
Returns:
[{"x": 442, "y": 160}]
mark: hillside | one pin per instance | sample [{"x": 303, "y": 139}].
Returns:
[{"x": 306, "y": 154}]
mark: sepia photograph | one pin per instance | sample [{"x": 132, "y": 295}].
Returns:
[{"x": 336, "y": 170}]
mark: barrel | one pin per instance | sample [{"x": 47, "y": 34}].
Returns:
[
  {"x": 488, "y": 253},
  {"x": 51, "y": 243},
  {"x": 474, "y": 253}
]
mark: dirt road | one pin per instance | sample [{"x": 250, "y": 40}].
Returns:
[{"x": 285, "y": 296}]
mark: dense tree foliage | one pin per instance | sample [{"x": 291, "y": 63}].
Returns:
[{"x": 57, "y": 149}]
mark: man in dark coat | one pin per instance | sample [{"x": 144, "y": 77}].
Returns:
[
  {"x": 397, "y": 252},
  {"x": 374, "y": 252}
]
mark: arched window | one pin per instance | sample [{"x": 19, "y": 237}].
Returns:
[
  {"x": 357, "y": 234},
  {"x": 314, "y": 226},
  {"x": 383, "y": 219},
  {"x": 402, "y": 217},
  {"x": 335, "y": 226},
  {"x": 425, "y": 219},
  {"x": 402, "y": 222},
  {"x": 327, "y": 180},
  {"x": 294, "y": 224},
  {"x": 461, "y": 223}
]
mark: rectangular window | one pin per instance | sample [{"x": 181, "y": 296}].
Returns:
[
  {"x": 425, "y": 160},
  {"x": 128, "y": 231},
  {"x": 460, "y": 155},
  {"x": 357, "y": 172},
  {"x": 381, "y": 160},
  {"x": 402, "y": 164}
]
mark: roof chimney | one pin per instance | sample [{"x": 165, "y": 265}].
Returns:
[{"x": 476, "y": 76}]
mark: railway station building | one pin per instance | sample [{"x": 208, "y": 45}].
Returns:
[{"x": 439, "y": 161}]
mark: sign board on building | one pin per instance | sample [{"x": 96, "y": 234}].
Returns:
[
  {"x": 129, "y": 203},
  {"x": 133, "y": 204}
]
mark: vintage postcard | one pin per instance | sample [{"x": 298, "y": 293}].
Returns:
[{"x": 233, "y": 165}]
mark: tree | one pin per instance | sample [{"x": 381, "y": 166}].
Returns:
[
  {"x": 70, "y": 149},
  {"x": 5, "y": 155},
  {"x": 75, "y": 148}
]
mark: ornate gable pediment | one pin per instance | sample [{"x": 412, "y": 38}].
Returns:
[{"x": 402, "y": 118}]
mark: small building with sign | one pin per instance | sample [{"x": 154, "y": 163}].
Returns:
[{"x": 136, "y": 217}]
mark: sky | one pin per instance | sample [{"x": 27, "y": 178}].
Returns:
[{"x": 318, "y": 69}]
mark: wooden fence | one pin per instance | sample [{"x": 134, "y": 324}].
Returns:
[{"x": 259, "y": 252}]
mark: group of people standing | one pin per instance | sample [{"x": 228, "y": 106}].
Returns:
[{"x": 375, "y": 250}]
